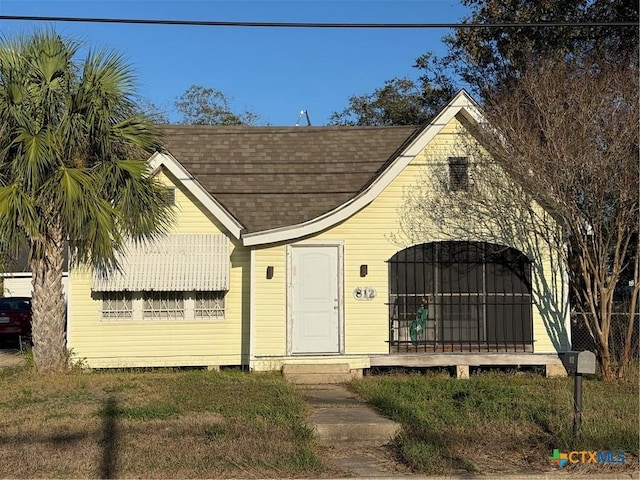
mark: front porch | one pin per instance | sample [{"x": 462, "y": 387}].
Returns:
[{"x": 460, "y": 297}]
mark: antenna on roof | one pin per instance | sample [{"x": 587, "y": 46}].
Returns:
[{"x": 306, "y": 114}]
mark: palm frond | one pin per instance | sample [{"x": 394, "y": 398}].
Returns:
[
  {"x": 144, "y": 199},
  {"x": 33, "y": 158},
  {"x": 99, "y": 241},
  {"x": 19, "y": 216},
  {"x": 137, "y": 130},
  {"x": 149, "y": 212},
  {"x": 73, "y": 147}
]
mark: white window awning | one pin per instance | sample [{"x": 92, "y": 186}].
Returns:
[{"x": 172, "y": 263}]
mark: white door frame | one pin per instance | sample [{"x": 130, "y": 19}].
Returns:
[{"x": 339, "y": 245}]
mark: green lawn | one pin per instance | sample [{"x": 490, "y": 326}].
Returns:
[{"x": 504, "y": 423}]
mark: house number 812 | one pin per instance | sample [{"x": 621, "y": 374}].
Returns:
[{"x": 364, "y": 293}]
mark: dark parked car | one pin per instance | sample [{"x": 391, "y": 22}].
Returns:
[{"x": 15, "y": 318}]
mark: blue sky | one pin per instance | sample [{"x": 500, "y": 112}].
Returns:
[{"x": 274, "y": 72}]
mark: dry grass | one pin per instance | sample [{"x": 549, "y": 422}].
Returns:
[
  {"x": 154, "y": 425},
  {"x": 198, "y": 424}
]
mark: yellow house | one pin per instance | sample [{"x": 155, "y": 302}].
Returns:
[{"x": 293, "y": 246}]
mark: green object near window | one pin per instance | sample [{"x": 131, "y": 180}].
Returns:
[{"x": 418, "y": 326}]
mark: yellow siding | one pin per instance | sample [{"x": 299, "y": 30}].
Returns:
[
  {"x": 270, "y": 329},
  {"x": 371, "y": 237},
  {"x": 127, "y": 343}
]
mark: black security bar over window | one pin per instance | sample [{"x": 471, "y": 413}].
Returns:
[{"x": 460, "y": 297}]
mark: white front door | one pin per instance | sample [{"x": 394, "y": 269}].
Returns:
[{"x": 315, "y": 301}]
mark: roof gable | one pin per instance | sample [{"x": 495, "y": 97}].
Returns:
[
  {"x": 166, "y": 160},
  {"x": 462, "y": 103},
  {"x": 271, "y": 184}
]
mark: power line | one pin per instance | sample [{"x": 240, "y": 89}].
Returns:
[{"x": 206, "y": 23}]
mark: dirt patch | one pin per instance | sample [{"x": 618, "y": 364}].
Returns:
[{"x": 11, "y": 357}]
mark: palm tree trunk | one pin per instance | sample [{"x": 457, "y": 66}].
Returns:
[{"x": 48, "y": 320}]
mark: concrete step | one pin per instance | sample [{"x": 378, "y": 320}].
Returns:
[
  {"x": 338, "y": 415},
  {"x": 318, "y": 374},
  {"x": 353, "y": 425}
]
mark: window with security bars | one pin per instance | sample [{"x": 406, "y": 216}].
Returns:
[
  {"x": 117, "y": 305},
  {"x": 477, "y": 294},
  {"x": 192, "y": 305},
  {"x": 209, "y": 305},
  {"x": 163, "y": 305}
]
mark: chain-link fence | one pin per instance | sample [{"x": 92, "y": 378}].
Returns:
[{"x": 582, "y": 339}]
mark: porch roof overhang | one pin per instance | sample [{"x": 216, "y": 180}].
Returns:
[{"x": 172, "y": 263}]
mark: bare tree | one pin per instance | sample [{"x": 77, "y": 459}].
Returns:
[{"x": 565, "y": 134}]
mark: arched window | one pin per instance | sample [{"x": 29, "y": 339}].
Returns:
[{"x": 478, "y": 297}]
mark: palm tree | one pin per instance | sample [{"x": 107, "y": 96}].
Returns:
[{"x": 73, "y": 152}]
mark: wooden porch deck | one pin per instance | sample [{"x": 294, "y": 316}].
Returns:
[{"x": 463, "y": 360}]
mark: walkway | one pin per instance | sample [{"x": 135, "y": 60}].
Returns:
[{"x": 355, "y": 435}]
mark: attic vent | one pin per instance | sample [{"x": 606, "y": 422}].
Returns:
[
  {"x": 458, "y": 174},
  {"x": 171, "y": 195}
]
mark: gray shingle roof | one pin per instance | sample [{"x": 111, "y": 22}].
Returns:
[{"x": 270, "y": 177}]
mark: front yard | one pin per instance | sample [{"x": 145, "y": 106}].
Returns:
[
  {"x": 161, "y": 424},
  {"x": 199, "y": 424}
]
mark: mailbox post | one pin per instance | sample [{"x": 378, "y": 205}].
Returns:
[{"x": 579, "y": 363}]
